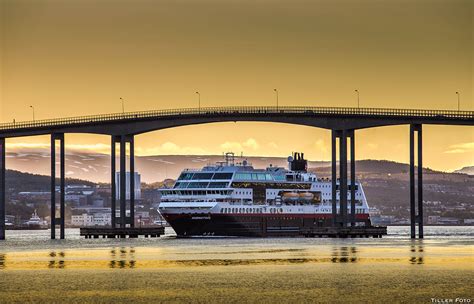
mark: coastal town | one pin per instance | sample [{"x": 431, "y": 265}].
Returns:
[{"x": 88, "y": 203}]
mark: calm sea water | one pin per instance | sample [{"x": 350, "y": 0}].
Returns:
[{"x": 233, "y": 270}]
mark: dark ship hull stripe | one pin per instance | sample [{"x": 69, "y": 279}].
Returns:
[{"x": 251, "y": 225}]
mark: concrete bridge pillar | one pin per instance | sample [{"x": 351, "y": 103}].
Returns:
[
  {"x": 342, "y": 217},
  {"x": 2, "y": 188},
  {"x": 353, "y": 178},
  {"x": 343, "y": 177},
  {"x": 334, "y": 136},
  {"x": 123, "y": 220},
  {"x": 414, "y": 218},
  {"x": 54, "y": 220},
  {"x": 113, "y": 183}
]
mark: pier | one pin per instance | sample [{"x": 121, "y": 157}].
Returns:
[
  {"x": 347, "y": 232},
  {"x": 130, "y": 232}
]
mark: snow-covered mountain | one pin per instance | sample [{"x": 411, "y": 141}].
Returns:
[{"x": 96, "y": 167}]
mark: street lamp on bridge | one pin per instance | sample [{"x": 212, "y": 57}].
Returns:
[
  {"x": 123, "y": 106},
  {"x": 459, "y": 100},
  {"x": 33, "y": 108},
  {"x": 199, "y": 101},
  {"x": 358, "y": 98},
  {"x": 276, "y": 92}
]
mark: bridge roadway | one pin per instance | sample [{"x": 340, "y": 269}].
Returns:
[{"x": 122, "y": 127}]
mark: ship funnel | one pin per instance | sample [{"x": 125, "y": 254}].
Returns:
[{"x": 297, "y": 162}]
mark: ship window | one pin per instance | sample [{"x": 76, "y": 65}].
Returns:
[
  {"x": 222, "y": 176},
  {"x": 185, "y": 176},
  {"x": 268, "y": 177},
  {"x": 198, "y": 185},
  {"x": 254, "y": 176},
  {"x": 218, "y": 185},
  {"x": 243, "y": 176},
  {"x": 261, "y": 176},
  {"x": 202, "y": 175}
]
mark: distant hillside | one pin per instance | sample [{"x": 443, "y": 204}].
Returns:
[
  {"x": 19, "y": 181},
  {"x": 466, "y": 170},
  {"x": 371, "y": 166},
  {"x": 386, "y": 183},
  {"x": 96, "y": 167}
]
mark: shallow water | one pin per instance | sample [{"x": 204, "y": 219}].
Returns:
[{"x": 394, "y": 268}]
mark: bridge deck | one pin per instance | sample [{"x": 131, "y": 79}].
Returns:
[{"x": 317, "y": 111}]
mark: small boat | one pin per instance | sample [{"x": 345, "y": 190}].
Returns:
[{"x": 35, "y": 222}]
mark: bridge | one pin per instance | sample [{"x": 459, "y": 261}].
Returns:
[{"x": 122, "y": 127}]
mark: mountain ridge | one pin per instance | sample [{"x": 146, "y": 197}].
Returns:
[{"x": 95, "y": 167}]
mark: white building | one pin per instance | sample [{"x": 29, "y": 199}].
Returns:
[
  {"x": 83, "y": 220},
  {"x": 88, "y": 220},
  {"x": 138, "y": 191},
  {"x": 102, "y": 219}
]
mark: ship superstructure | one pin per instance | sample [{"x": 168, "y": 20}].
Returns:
[{"x": 236, "y": 199}]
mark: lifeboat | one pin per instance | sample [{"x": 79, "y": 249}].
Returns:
[
  {"x": 307, "y": 196},
  {"x": 293, "y": 196}
]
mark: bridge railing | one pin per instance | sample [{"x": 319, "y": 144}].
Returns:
[{"x": 364, "y": 112}]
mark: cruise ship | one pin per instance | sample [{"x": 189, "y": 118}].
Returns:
[{"x": 235, "y": 199}]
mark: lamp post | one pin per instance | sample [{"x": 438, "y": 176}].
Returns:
[
  {"x": 33, "y": 109},
  {"x": 123, "y": 106},
  {"x": 276, "y": 93},
  {"x": 459, "y": 100},
  {"x": 358, "y": 98},
  {"x": 199, "y": 101}
]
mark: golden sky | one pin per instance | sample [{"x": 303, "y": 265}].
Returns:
[{"x": 78, "y": 57}]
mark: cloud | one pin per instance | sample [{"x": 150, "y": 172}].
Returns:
[
  {"x": 461, "y": 148},
  {"x": 231, "y": 146},
  {"x": 250, "y": 143},
  {"x": 321, "y": 146},
  {"x": 273, "y": 145},
  {"x": 170, "y": 148},
  {"x": 99, "y": 148},
  {"x": 163, "y": 149},
  {"x": 32, "y": 146}
]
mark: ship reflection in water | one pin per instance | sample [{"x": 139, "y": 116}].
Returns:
[
  {"x": 344, "y": 255},
  {"x": 2, "y": 260},
  {"x": 122, "y": 258},
  {"x": 417, "y": 254},
  {"x": 57, "y": 260}
]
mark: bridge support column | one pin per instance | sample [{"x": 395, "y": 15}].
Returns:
[
  {"x": 132, "y": 180},
  {"x": 55, "y": 221},
  {"x": 414, "y": 218},
  {"x": 2, "y": 188},
  {"x": 343, "y": 177},
  {"x": 353, "y": 178},
  {"x": 334, "y": 136},
  {"x": 113, "y": 180},
  {"x": 125, "y": 181},
  {"x": 341, "y": 218}
]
